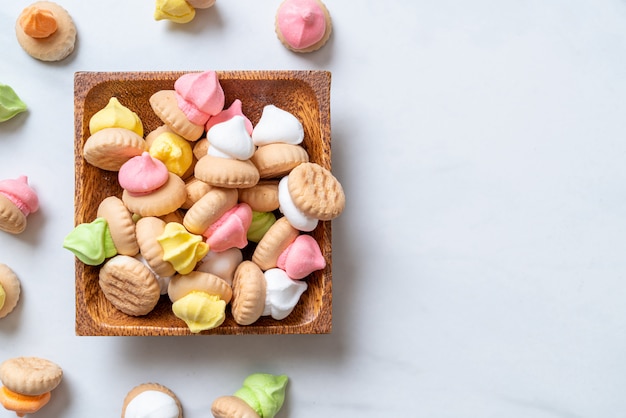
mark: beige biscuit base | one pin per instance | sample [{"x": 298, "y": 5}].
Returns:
[
  {"x": 134, "y": 392},
  {"x": 209, "y": 208},
  {"x": 165, "y": 105},
  {"x": 109, "y": 148},
  {"x": 164, "y": 200},
  {"x": 316, "y": 192},
  {"x": 121, "y": 225},
  {"x": 32, "y": 376},
  {"x": 12, "y": 220},
  {"x": 56, "y": 46},
  {"x": 315, "y": 46},
  {"x": 276, "y": 160},
  {"x": 11, "y": 285},
  {"x": 273, "y": 243},
  {"x": 232, "y": 407},
  {"x": 195, "y": 190},
  {"x": 181, "y": 285},
  {"x": 226, "y": 172},
  {"x": 129, "y": 285},
  {"x": 200, "y": 148},
  {"x": 147, "y": 230},
  {"x": 249, "y": 288},
  {"x": 155, "y": 134},
  {"x": 263, "y": 197}
]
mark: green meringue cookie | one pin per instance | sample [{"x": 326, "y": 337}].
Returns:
[
  {"x": 265, "y": 393},
  {"x": 261, "y": 222},
  {"x": 91, "y": 242},
  {"x": 10, "y": 103}
]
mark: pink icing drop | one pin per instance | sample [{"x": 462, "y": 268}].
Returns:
[
  {"x": 230, "y": 229},
  {"x": 21, "y": 194},
  {"x": 228, "y": 114},
  {"x": 199, "y": 96},
  {"x": 142, "y": 174},
  {"x": 301, "y": 258},
  {"x": 301, "y": 22}
]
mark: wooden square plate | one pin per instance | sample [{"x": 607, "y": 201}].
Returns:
[{"x": 306, "y": 94}]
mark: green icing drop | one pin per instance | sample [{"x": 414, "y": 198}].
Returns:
[
  {"x": 265, "y": 393},
  {"x": 10, "y": 103},
  {"x": 261, "y": 222},
  {"x": 91, "y": 242}
]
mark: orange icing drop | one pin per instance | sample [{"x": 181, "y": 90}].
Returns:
[{"x": 37, "y": 22}]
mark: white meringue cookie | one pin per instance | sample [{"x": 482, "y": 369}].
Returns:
[
  {"x": 281, "y": 294},
  {"x": 232, "y": 138},
  {"x": 152, "y": 404},
  {"x": 277, "y": 125},
  {"x": 222, "y": 264},
  {"x": 296, "y": 218}
]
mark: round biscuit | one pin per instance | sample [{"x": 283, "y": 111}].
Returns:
[
  {"x": 195, "y": 190},
  {"x": 249, "y": 287},
  {"x": 262, "y": 197},
  {"x": 273, "y": 243},
  {"x": 162, "y": 201},
  {"x": 121, "y": 225},
  {"x": 183, "y": 284},
  {"x": 12, "y": 220},
  {"x": 129, "y": 285},
  {"x": 134, "y": 392},
  {"x": 11, "y": 285},
  {"x": 147, "y": 230},
  {"x": 226, "y": 172},
  {"x": 54, "y": 47},
  {"x": 109, "y": 148},
  {"x": 165, "y": 105},
  {"x": 316, "y": 192},
  {"x": 31, "y": 376},
  {"x": 276, "y": 160},
  {"x": 209, "y": 208}
]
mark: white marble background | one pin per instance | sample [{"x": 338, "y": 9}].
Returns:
[{"x": 479, "y": 268}]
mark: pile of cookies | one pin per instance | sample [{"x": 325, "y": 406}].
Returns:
[{"x": 215, "y": 212}]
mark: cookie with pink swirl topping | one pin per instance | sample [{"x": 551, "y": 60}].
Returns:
[
  {"x": 230, "y": 230},
  {"x": 17, "y": 201},
  {"x": 199, "y": 96},
  {"x": 303, "y": 25},
  {"x": 149, "y": 188}
]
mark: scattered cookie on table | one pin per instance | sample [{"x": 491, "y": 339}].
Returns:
[
  {"x": 28, "y": 382},
  {"x": 303, "y": 25},
  {"x": 151, "y": 400},
  {"x": 261, "y": 396},
  {"x": 9, "y": 290},
  {"x": 46, "y": 31},
  {"x": 17, "y": 200}
]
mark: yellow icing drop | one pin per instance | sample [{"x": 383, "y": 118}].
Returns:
[
  {"x": 174, "y": 151},
  {"x": 115, "y": 115},
  {"x": 182, "y": 248},
  {"x": 200, "y": 310}
]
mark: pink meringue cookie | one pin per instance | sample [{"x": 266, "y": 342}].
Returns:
[
  {"x": 230, "y": 230},
  {"x": 142, "y": 174},
  {"x": 301, "y": 258},
  {"x": 199, "y": 96},
  {"x": 233, "y": 110},
  {"x": 302, "y": 23},
  {"x": 21, "y": 194}
]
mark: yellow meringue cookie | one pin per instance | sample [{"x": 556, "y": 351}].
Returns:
[
  {"x": 181, "y": 248},
  {"x": 200, "y": 310},
  {"x": 115, "y": 115},
  {"x": 178, "y": 11},
  {"x": 174, "y": 151}
]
